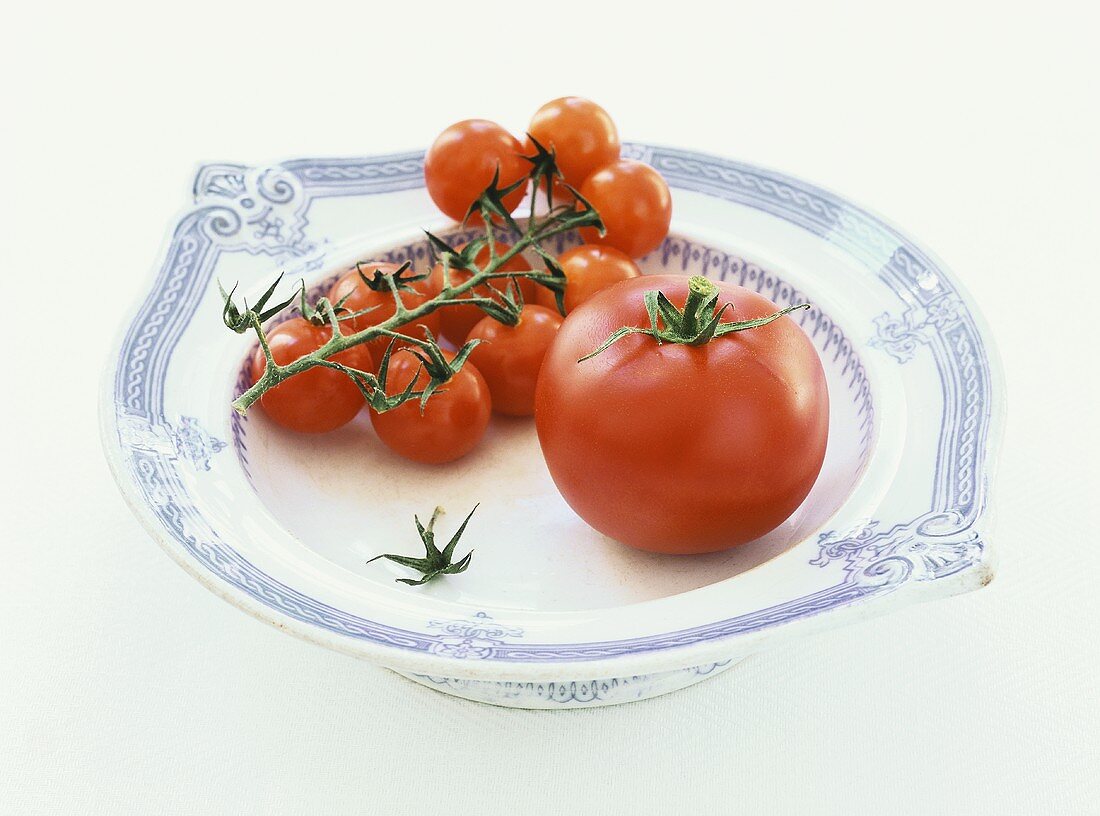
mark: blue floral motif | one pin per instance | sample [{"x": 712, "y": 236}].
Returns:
[
  {"x": 473, "y": 639},
  {"x": 900, "y": 337},
  {"x": 193, "y": 443},
  {"x": 257, "y": 209},
  {"x": 933, "y": 546},
  {"x": 187, "y": 440}
]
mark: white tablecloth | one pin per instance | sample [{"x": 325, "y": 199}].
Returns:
[{"x": 125, "y": 687}]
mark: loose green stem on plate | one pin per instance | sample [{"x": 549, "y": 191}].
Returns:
[{"x": 435, "y": 562}]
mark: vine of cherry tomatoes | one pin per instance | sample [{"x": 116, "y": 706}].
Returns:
[
  {"x": 501, "y": 373},
  {"x": 675, "y": 415}
]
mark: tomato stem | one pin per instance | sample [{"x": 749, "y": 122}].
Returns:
[
  {"x": 506, "y": 308},
  {"x": 436, "y": 562},
  {"x": 698, "y": 323},
  {"x": 700, "y": 290}
]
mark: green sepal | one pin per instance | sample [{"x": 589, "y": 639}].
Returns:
[
  {"x": 380, "y": 281},
  {"x": 587, "y": 215},
  {"x": 742, "y": 325},
  {"x": 696, "y": 324},
  {"x": 555, "y": 279},
  {"x": 439, "y": 369},
  {"x": 239, "y": 320},
  {"x": 490, "y": 203},
  {"x": 452, "y": 258},
  {"x": 438, "y": 247},
  {"x": 322, "y": 311},
  {"x": 545, "y": 169}
]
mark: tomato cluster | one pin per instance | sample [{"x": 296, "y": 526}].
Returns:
[
  {"x": 466, "y": 157},
  {"x": 664, "y": 425},
  {"x": 631, "y": 197},
  {"x": 502, "y": 370}
]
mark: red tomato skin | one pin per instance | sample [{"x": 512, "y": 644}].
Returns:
[
  {"x": 589, "y": 268},
  {"x": 581, "y": 132},
  {"x": 457, "y": 321},
  {"x": 453, "y": 422},
  {"x": 320, "y": 399},
  {"x": 461, "y": 162},
  {"x": 682, "y": 449},
  {"x": 634, "y": 203},
  {"x": 509, "y": 357}
]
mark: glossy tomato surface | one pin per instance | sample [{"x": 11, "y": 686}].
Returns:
[
  {"x": 461, "y": 162},
  {"x": 509, "y": 357},
  {"x": 451, "y": 424},
  {"x": 589, "y": 268},
  {"x": 317, "y": 400},
  {"x": 635, "y": 204},
  {"x": 676, "y": 448},
  {"x": 582, "y": 134},
  {"x": 361, "y": 297}
]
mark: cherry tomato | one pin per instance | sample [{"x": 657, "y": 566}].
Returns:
[
  {"x": 316, "y": 400},
  {"x": 456, "y": 321},
  {"x": 360, "y": 297},
  {"x": 452, "y": 423},
  {"x": 588, "y": 269},
  {"x": 509, "y": 357},
  {"x": 634, "y": 203},
  {"x": 677, "y": 448},
  {"x": 461, "y": 163},
  {"x": 582, "y": 134}
]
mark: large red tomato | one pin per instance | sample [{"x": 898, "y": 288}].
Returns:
[{"x": 682, "y": 448}]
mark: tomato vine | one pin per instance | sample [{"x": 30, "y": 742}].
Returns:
[{"x": 494, "y": 213}]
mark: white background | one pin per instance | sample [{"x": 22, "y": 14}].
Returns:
[{"x": 127, "y": 688}]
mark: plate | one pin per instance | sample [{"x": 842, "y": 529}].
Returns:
[{"x": 551, "y": 614}]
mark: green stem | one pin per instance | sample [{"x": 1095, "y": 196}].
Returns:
[
  {"x": 695, "y": 315},
  {"x": 450, "y": 295},
  {"x": 698, "y": 323},
  {"x": 491, "y": 205}
]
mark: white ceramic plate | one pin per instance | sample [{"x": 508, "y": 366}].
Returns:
[{"x": 552, "y": 614}]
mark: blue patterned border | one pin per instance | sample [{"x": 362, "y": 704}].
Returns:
[{"x": 264, "y": 210}]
